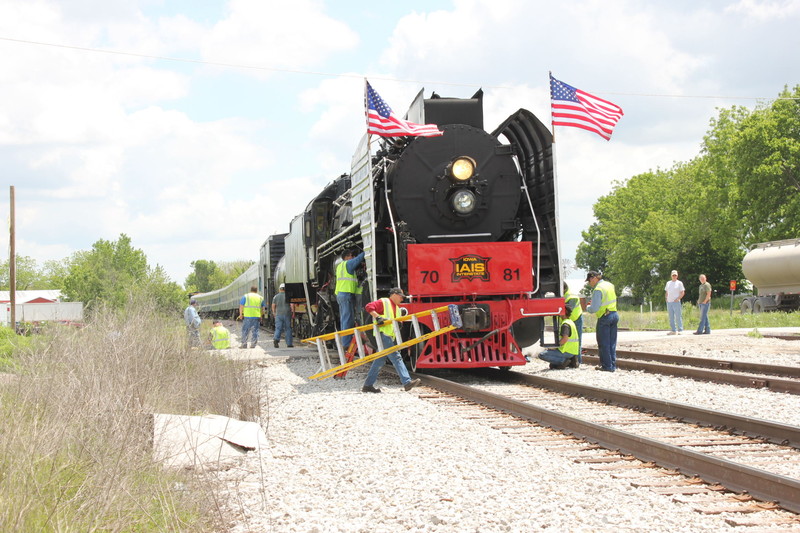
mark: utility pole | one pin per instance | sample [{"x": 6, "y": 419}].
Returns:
[{"x": 12, "y": 267}]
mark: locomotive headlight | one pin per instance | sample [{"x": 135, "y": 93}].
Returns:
[
  {"x": 462, "y": 168},
  {"x": 463, "y": 202}
]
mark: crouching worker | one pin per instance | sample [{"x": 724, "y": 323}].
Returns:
[
  {"x": 382, "y": 310},
  {"x": 567, "y": 354},
  {"x": 219, "y": 336}
]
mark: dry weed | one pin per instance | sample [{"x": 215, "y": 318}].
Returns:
[{"x": 76, "y": 430}]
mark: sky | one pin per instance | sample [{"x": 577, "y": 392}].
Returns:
[{"x": 200, "y": 127}]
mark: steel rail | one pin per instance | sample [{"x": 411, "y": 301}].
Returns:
[
  {"x": 781, "y": 337},
  {"x": 702, "y": 362},
  {"x": 736, "y": 477},
  {"x": 740, "y": 380},
  {"x": 774, "y": 432}
]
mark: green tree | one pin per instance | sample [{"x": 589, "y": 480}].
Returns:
[
  {"x": 208, "y": 275},
  {"x": 27, "y": 274},
  {"x": 201, "y": 278},
  {"x": 54, "y": 272},
  {"x": 113, "y": 271},
  {"x": 658, "y": 221},
  {"x": 757, "y": 155},
  {"x": 592, "y": 252}
]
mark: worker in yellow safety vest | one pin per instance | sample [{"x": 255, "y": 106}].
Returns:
[
  {"x": 577, "y": 317},
  {"x": 568, "y": 350},
  {"x": 383, "y": 310},
  {"x": 346, "y": 290},
  {"x": 251, "y": 307},
  {"x": 604, "y": 306},
  {"x": 219, "y": 336}
]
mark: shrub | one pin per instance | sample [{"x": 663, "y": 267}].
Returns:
[{"x": 76, "y": 434}]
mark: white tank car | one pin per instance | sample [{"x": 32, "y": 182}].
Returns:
[{"x": 774, "y": 269}]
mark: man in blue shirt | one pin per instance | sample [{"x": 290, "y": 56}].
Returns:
[{"x": 192, "y": 319}]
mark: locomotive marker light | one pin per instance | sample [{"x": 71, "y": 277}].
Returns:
[{"x": 462, "y": 168}]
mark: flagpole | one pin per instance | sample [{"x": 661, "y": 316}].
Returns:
[
  {"x": 552, "y": 119},
  {"x": 555, "y": 185}
]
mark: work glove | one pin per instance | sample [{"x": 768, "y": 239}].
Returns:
[{"x": 380, "y": 320}]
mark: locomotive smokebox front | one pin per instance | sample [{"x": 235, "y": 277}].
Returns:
[{"x": 462, "y": 186}]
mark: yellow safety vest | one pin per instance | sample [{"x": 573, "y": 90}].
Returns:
[
  {"x": 220, "y": 338},
  {"x": 345, "y": 281},
  {"x": 577, "y": 311},
  {"x": 571, "y": 346},
  {"x": 389, "y": 313},
  {"x": 252, "y": 305},
  {"x": 609, "y": 301}
]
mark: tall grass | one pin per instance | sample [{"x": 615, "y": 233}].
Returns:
[{"x": 76, "y": 430}]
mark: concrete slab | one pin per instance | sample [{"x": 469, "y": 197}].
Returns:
[{"x": 182, "y": 441}]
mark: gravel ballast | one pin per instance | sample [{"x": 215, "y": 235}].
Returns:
[{"x": 338, "y": 459}]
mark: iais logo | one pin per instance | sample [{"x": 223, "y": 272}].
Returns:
[{"x": 469, "y": 267}]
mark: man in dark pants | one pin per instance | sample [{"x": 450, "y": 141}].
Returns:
[
  {"x": 604, "y": 306},
  {"x": 346, "y": 290}
]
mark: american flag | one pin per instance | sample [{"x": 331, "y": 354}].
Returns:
[
  {"x": 573, "y": 107},
  {"x": 382, "y": 121}
]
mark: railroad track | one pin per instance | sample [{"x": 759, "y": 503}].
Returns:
[
  {"x": 776, "y": 378},
  {"x": 756, "y": 457}
]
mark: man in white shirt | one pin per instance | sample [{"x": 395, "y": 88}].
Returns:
[{"x": 674, "y": 292}]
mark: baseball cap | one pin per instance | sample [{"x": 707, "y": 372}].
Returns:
[
  {"x": 591, "y": 274},
  {"x": 674, "y": 273},
  {"x": 283, "y": 286},
  {"x": 192, "y": 301},
  {"x": 396, "y": 290}
]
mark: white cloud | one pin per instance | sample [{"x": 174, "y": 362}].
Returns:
[
  {"x": 286, "y": 35},
  {"x": 764, "y": 10}
]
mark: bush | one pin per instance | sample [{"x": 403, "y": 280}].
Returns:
[
  {"x": 76, "y": 433},
  {"x": 9, "y": 343}
]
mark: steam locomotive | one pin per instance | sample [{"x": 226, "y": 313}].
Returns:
[{"x": 466, "y": 218}]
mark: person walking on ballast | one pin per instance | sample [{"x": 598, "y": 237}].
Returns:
[
  {"x": 382, "y": 310},
  {"x": 604, "y": 306}
]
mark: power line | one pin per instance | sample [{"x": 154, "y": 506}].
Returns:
[{"x": 359, "y": 76}]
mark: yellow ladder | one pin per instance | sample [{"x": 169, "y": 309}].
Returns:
[{"x": 326, "y": 370}]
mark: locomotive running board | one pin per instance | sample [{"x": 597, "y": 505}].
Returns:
[{"x": 326, "y": 370}]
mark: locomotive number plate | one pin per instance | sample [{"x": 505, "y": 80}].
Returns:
[{"x": 470, "y": 268}]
